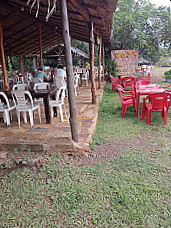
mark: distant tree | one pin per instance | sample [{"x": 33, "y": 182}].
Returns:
[{"x": 140, "y": 25}]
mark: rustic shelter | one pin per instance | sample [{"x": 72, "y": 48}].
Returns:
[{"x": 27, "y": 27}]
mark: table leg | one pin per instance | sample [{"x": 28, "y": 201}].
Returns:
[
  {"x": 47, "y": 110},
  {"x": 138, "y": 103}
]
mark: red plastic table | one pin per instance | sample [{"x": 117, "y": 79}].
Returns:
[{"x": 145, "y": 90}]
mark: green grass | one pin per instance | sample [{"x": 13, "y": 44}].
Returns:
[{"x": 132, "y": 190}]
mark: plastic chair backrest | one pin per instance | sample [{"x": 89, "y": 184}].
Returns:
[
  {"x": 128, "y": 81},
  {"x": 22, "y": 86},
  {"x": 158, "y": 100},
  {"x": 19, "y": 96},
  {"x": 143, "y": 82},
  {"x": 3, "y": 98},
  {"x": 43, "y": 85},
  {"x": 114, "y": 80}
]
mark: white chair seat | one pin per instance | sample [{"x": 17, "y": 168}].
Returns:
[
  {"x": 59, "y": 102},
  {"x": 6, "y": 107}
]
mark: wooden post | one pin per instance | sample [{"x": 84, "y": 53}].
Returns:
[
  {"x": 103, "y": 61},
  {"x": 21, "y": 63},
  {"x": 99, "y": 68},
  {"x": 60, "y": 56},
  {"x": 3, "y": 58},
  {"x": 69, "y": 69},
  {"x": 91, "y": 48},
  {"x": 40, "y": 42}
]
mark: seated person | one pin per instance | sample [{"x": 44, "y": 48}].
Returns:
[
  {"x": 60, "y": 76},
  {"x": 40, "y": 75}
]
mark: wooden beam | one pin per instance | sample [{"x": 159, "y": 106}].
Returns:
[
  {"x": 40, "y": 42},
  {"x": 3, "y": 58},
  {"x": 69, "y": 68},
  {"x": 91, "y": 48},
  {"x": 99, "y": 60}
]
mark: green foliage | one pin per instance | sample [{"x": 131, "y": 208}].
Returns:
[
  {"x": 168, "y": 75},
  {"x": 111, "y": 68},
  {"x": 141, "y": 25}
]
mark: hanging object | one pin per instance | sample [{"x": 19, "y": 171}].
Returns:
[{"x": 50, "y": 10}]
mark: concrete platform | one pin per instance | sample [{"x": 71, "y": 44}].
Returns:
[{"x": 54, "y": 137}]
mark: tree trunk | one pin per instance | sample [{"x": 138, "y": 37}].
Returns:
[
  {"x": 3, "y": 58},
  {"x": 91, "y": 48},
  {"x": 99, "y": 68},
  {"x": 103, "y": 61},
  {"x": 69, "y": 68}
]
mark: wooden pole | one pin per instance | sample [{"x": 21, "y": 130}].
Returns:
[
  {"x": 91, "y": 50},
  {"x": 103, "y": 61},
  {"x": 60, "y": 56},
  {"x": 69, "y": 69},
  {"x": 21, "y": 63},
  {"x": 3, "y": 58},
  {"x": 40, "y": 42},
  {"x": 99, "y": 68}
]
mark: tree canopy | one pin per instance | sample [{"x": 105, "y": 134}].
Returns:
[{"x": 141, "y": 25}]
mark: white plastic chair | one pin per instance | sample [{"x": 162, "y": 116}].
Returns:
[
  {"x": 23, "y": 106},
  {"x": 76, "y": 86},
  {"x": 6, "y": 107},
  {"x": 59, "y": 102},
  {"x": 22, "y": 86},
  {"x": 42, "y": 85},
  {"x": 85, "y": 76},
  {"x": 59, "y": 82}
]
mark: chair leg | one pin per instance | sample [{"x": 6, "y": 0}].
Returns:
[
  {"x": 18, "y": 117},
  {"x": 51, "y": 111},
  {"x": 61, "y": 113},
  {"x": 165, "y": 116},
  {"x": 25, "y": 117},
  {"x": 31, "y": 118},
  {"x": 39, "y": 112},
  {"x": 7, "y": 116},
  {"x": 143, "y": 112},
  {"x": 65, "y": 110},
  {"x": 149, "y": 117}
]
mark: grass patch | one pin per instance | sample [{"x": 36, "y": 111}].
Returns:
[{"x": 132, "y": 190}]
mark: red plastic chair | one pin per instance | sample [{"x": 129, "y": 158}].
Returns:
[
  {"x": 128, "y": 81},
  {"x": 115, "y": 82},
  {"x": 143, "y": 82},
  {"x": 127, "y": 99},
  {"x": 165, "y": 87},
  {"x": 157, "y": 102}
]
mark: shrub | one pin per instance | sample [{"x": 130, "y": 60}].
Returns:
[{"x": 167, "y": 75}]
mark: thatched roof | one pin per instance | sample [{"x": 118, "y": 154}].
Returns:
[{"x": 21, "y": 29}]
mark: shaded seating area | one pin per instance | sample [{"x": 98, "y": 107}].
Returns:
[{"x": 27, "y": 29}]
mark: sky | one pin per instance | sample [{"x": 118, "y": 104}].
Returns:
[{"x": 161, "y": 2}]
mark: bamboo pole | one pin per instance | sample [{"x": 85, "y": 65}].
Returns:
[
  {"x": 103, "y": 61},
  {"x": 3, "y": 58},
  {"x": 69, "y": 69},
  {"x": 21, "y": 63},
  {"x": 99, "y": 67},
  {"x": 40, "y": 42},
  {"x": 91, "y": 48}
]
